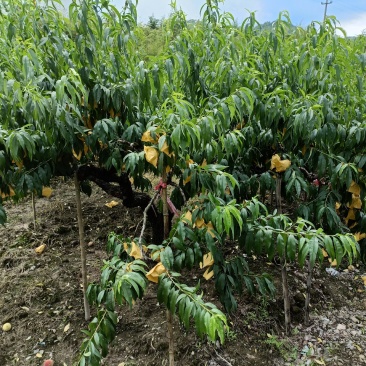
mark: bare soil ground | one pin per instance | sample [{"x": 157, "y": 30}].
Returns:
[{"x": 41, "y": 296}]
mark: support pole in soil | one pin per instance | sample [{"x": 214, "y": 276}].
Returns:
[
  {"x": 34, "y": 211},
  {"x": 170, "y": 334},
  {"x": 285, "y": 289},
  {"x": 82, "y": 246},
  {"x": 307, "y": 299}
]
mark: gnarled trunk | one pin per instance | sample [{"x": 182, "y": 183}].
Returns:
[{"x": 119, "y": 186}]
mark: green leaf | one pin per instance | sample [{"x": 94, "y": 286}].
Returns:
[
  {"x": 167, "y": 258},
  {"x": 280, "y": 245},
  {"x": 189, "y": 260},
  {"x": 303, "y": 251},
  {"x": 313, "y": 250},
  {"x": 291, "y": 247},
  {"x": 339, "y": 251},
  {"x": 329, "y": 247}
]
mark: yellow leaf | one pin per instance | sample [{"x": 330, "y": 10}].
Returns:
[
  {"x": 146, "y": 137},
  {"x": 189, "y": 161},
  {"x": 210, "y": 229},
  {"x": 320, "y": 362},
  {"x": 187, "y": 180},
  {"x": 77, "y": 156},
  {"x": 11, "y": 193},
  {"x": 151, "y": 155},
  {"x": 165, "y": 149},
  {"x": 337, "y": 205},
  {"x": 332, "y": 263},
  {"x": 111, "y": 204},
  {"x": 208, "y": 274},
  {"x": 199, "y": 223},
  {"x": 350, "y": 216},
  {"x": 155, "y": 272},
  {"x": 354, "y": 188},
  {"x": 207, "y": 260},
  {"x": 278, "y": 164},
  {"x": 325, "y": 254},
  {"x": 204, "y": 163},
  {"x": 353, "y": 225},
  {"x": 40, "y": 249},
  {"x": 303, "y": 150},
  {"x": 358, "y": 236},
  {"x": 67, "y": 327},
  {"x": 135, "y": 251},
  {"x": 102, "y": 146},
  {"x": 46, "y": 192},
  {"x": 356, "y": 202},
  {"x": 363, "y": 278},
  {"x": 187, "y": 217},
  {"x": 19, "y": 163}
]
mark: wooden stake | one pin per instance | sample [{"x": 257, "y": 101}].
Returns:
[
  {"x": 169, "y": 316},
  {"x": 286, "y": 295},
  {"x": 82, "y": 246},
  {"x": 285, "y": 289},
  {"x": 34, "y": 211}
]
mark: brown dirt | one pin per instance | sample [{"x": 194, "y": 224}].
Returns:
[{"x": 41, "y": 295}]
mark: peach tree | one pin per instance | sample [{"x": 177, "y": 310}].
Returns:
[{"x": 225, "y": 117}]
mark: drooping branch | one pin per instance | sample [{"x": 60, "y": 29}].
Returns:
[{"x": 119, "y": 186}]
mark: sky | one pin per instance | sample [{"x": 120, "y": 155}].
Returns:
[{"x": 350, "y": 13}]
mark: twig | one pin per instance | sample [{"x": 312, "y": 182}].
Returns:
[
  {"x": 137, "y": 226},
  {"x": 222, "y": 358},
  {"x": 145, "y": 217}
]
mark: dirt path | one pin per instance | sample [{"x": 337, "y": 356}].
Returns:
[{"x": 40, "y": 295}]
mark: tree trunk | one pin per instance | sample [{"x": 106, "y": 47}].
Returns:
[
  {"x": 308, "y": 288},
  {"x": 123, "y": 189},
  {"x": 164, "y": 197},
  {"x": 285, "y": 289},
  {"x": 169, "y": 316},
  {"x": 82, "y": 247},
  {"x": 170, "y": 334}
]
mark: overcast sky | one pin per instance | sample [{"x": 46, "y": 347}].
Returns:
[{"x": 350, "y": 13}]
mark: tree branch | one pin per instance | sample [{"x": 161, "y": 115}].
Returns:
[{"x": 120, "y": 186}]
